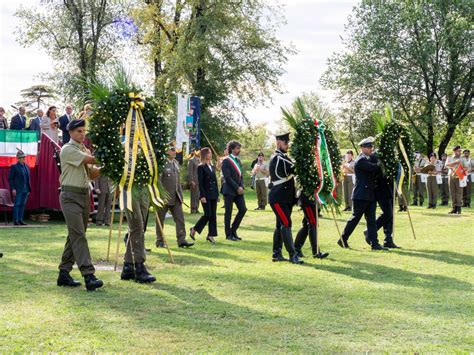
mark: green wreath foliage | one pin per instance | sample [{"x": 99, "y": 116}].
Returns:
[{"x": 111, "y": 103}]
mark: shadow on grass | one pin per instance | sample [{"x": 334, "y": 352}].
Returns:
[{"x": 439, "y": 255}]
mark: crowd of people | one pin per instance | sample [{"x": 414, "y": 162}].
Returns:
[{"x": 363, "y": 186}]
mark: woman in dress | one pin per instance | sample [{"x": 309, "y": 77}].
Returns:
[{"x": 50, "y": 124}]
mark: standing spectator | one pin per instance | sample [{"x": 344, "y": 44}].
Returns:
[
  {"x": 260, "y": 172},
  {"x": 348, "y": 184},
  {"x": 102, "y": 187},
  {"x": 418, "y": 186},
  {"x": 432, "y": 183},
  {"x": 193, "y": 164},
  {"x": 63, "y": 121},
  {"x": 466, "y": 191},
  {"x": 456, "y": 161},
  {"x": 445, "y": 183},
  {"x": 50, "y": 124},
  {"x": 35, "y": 123},
  {"x": 19, "y": 179},
  {"x": 3, "y": 119},
  {"x": 208, "y": 195},
  {"x": 18, "y": 121}
]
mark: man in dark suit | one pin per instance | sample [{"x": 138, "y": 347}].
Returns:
[
  {"x": 35, "y": 122},
  {"x": 63, "y": 122},
  {"x": 19, "y": 179},
  {"x": 363, "y": 197},
  {"x": 233, "y": 190},
  {"x": 18, "y": 121},
  {"x": 282, "y": 198}
]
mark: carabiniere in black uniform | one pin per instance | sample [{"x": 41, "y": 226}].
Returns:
[{"x": 282, "y": 198}]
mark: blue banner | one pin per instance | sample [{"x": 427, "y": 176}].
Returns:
[{"x": 195, "y": 131}]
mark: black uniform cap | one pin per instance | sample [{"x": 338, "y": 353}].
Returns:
[
  {"x": 75, "y": 123},
  {"x": 285, "y": 137},
  {"x": 456, "y": 148}
]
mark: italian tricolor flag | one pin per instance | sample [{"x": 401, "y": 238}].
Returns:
[{"x": 10, "y": 140}]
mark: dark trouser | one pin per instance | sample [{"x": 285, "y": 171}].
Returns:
[
  {"x": 229, "y": 201},
  {"x": 385, "y": 220},
  {"x": 445, "y": 190},
  {"x": 362, "y": 208},
  {"x": 456, "y": 191},
  {"x": 282, "y": 232},
  {"x": 103, "y": 208},
  {"x": 209, "y": 216},
  {"x": 308, "y": 226},
  {"x": 348, "y": 187},
  {"x": 76, "y": 207},
  {"x": 178, "y": 217},
  {"x": 261, "y": 190},
  {"x": 466, "y": 192},
  {"x": 432, "y": 186},
  {"x": 135, "y": 252},
  {"x": 194, "y": 198},
  {"x": 418, "y": 190},
  {"x": 19, "y": 205}
]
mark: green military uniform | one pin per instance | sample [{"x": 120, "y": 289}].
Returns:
[
  {"x": 454, "y": 187},
  {"x": 135, "y": 251},
  {"x": 419, "y": 187},
  {"x": 104, "y": 184},
  {"x": 75, "y": 204},
  {"x": 444, "y": 187},
  {"x": 193, "y": 164},
  {"x": 432, "y": 184},
  {"x": 171, "y": 182},
  {"x": 260, "y": 186},
  {"x": 348, "y": 184}
]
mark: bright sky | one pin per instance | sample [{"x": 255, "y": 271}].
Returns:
[{"x": 314, "y": 27}]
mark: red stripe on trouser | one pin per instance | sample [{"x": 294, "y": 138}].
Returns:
[
  {"x": 281, "y": 214},
  {"x": 310, "y": 215}
]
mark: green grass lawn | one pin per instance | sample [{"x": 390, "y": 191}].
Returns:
[{"x": 230, "y": 297}]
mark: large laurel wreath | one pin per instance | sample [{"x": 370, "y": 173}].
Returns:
[
  {"x": 389, "y": 152},
  {"x": 111, "y": 103}
]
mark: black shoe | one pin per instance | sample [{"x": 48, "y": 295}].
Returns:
[
  {"x": 1, "y": 255},
  {"x": 192, "y": 233},
  {"x": 401, "y": 209},
  {"x": 296, "y": 260},
  {"x": 128, "y": 272},
  {"x": 343, "y": 243},
  {"x": 92, "y": 282},
  {"x": 185, "y": 244},
  {"x": 23, "y": 223},
  {"x": 366, "y": 235},
  {"x": 107, "y": 224},
  {"x": 16, "y": 223},
  {"x": 300, "y": 254},
  {"x": 211, "y": 239},
  {"x": 236, "y": 236},
  {"x": 321, "y": 255},
  {"x": 414, "y": 204},
  {"x": 257, "y": 209},
  {"x": 64, "y": 279},
  {"x": 161, "y": 245},
  {"x": 378, "y": 247},
  {"x": 231, "y": 238},
  {"x": 458, "y": 211},
  {"x": 390, "y": 245},
  {"x": 277, "y": 258},
  {"x": 99, "y": 224},
  {"x": 453, "y": 211},
  {"x": 142, "y": 275}
]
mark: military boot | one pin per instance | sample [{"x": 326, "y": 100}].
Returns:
[
  {"x": 92, "y": 282},
  {"x": 299, "y": 240},
  {"x": 290, "y": 247},
  {"x": 313, "y": 240},
  {"x": 142, "y": 274},
  {"x": 128, "y": 272},
  {"x": 277, "y": 245},
  {"x": 64, "y": 279}
]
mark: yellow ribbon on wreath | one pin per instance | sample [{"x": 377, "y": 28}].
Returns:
[{"x": 136, "y": 133}]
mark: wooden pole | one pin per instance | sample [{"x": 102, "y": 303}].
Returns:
[
  {"x": 111, "y": 223},
  {"x": 210, "y": 144},
  {"x": 158, "y": 222},
  {"x": 118, "y": 239},
  {"x": 409, "y": 216},
  {"x": 394, "y": 206},
  {"x": 335, "y": 222},
  {"x": 316, "y": 205}
]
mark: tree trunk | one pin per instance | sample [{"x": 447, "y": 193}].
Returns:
[{"x": 446, "y": 139}]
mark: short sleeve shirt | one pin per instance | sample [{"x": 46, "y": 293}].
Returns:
[
  {"x": 260, "y": 175},
  {"x": 452, "y": 159},
  {"x": 73, "y": 170}
]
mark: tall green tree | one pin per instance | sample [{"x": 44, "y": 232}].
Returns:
[
  {"x": 224, "y": 51},
  {"x": 78, "y": 35},
  {"x": 416, "y": 55},
  {"x": 36, "y": 95}
]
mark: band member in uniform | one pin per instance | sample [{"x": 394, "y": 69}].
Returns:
[
  {"x": 172, "y": 184},
  {"x": 432, "y": 183},
  {"x": 309, "y": 226},
  {"x": 466, "y": 191},
  {"x": 282, "y": 197},
  {"x": 193, "y": 181},
  {"x": 233, "y": 190},
  {"x": 260, "y": 172},
  {"x": 453, "y": 163},
  {"x": 444, "y": 187},
  {"x": 418, "y": 187},
  {"x": 363, "y": 197},
  {"x": 348, "y": 170},
  {"x": 76, "y": 173}
]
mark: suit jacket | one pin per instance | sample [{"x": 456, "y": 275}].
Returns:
[
  {"x": 281, "y": 167},
  {"x": 171, "y": 182},
  {"x": 207, "y": 182},
  {"x": 63, "y": 121},
  {"x": 35, "y": 124},
  {"x": 365, "y": 172},
  {"x": 19, "y": 178},
  {"x": 18, "y": 122},
  {"x": 383, "y": 186},
  {"x": 232, "y": 179}
]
